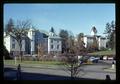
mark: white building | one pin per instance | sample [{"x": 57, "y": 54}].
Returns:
[
  {"x": 54, "y": 43},
  {"x": 102, "y": 42},
  {"x": 12, "y": 45},
  {"x": 88, "y": 39},
  {"x": 34, "y": 40}
]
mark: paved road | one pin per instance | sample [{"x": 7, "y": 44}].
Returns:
[{"x": 58, "y": 73}]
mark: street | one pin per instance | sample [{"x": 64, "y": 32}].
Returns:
[{"x": 95, "y": 71}]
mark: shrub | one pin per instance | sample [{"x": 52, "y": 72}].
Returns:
[
  {"x": 103, "y": 49},
  {"x": 6, "y": 53}
]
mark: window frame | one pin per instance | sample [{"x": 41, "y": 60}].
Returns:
[
  {"x": 58, "y": 46},
  {"x": 51, "y": 41},
  {"x": 13, "y": 47},
  {"x": 51, "y": 46}
]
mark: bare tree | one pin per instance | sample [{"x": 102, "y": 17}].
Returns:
[
  {"x": 18, "y": 31},
  {"x": 71, "y": 61},
  {"x": 41, "y": 50},
  {"x": 64, "y": 35},
  {"x": 71, "y": 52},
  {"x": 94, "y": 44},
  {"x": 72, "y": 65},
  {"x": 80, "y": 45}
]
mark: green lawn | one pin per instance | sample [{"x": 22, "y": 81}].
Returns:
[
  {"x": 33, "y": 62},
  {"x": 107, "y": 52}
]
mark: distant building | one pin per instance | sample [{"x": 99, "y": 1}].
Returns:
[
  {"x": 54, "y": 43},
  {"x": 88, "y": 39}
]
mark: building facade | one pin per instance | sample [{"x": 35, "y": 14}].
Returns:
[
  {"x": 12, "y": 45},
  {"x": 50, "y": 42},
  {"x": 101, "y": 41},
  {"x": 54, "y": 43},
  {"x": 34, "y": 40}
]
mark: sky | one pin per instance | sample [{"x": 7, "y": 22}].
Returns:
[{"x": 76, "y": 18}]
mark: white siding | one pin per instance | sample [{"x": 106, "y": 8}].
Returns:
[
  {"x": 85, "y": 41},
  {"x": 31, "y": 35},
  {"x": 99, "y": 44},
  {"x": 90, "y": 41},
  {"x": 7, "y": 43},
  {"x": 92, "y": 33},
  {"x": 49, "y": 45},
  {"x": 102, "y": 43},
  {"x": 17, "y": 48},
  {"x": 56, "y": 41}
]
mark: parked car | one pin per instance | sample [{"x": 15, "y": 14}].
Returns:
[
  {"x": 105, "y": 58},
  {"x": 94, "y": 59},
  {"x": 84, "y": 59},
  {"x": 110, "y": 58},
  {"x": 101, "y": 57}
]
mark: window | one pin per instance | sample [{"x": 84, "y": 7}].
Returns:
[
  {"x": 51, "y": 46},
  {"x": 13, "y": 40},
  {"x": 57, "y": 46},
  {"x": 13, "y": 45},
  {"x": 51, "y": 40}
]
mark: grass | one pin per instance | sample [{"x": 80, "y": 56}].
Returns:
[
  {"x": 33, "y": 62},
  {"x": 107, "y": 52},
  {"x": 46, "y": 63}
]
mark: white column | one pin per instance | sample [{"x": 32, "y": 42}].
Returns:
[
  {"x": 32, "y": 44},
  {"x": 49, "y": 45},
  {"x": 31, "y": 35},
  {"x": 99, "y": 43}
]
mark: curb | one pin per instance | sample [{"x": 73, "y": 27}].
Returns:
[{"x": 110, "y": 70}]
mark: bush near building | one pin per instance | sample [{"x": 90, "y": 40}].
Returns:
[{"x": 6, "y": 53}]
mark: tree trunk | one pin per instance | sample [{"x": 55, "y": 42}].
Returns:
[
  {"x": 20, "y": 53},
  {"x": 20, "y": 45},
  {"x": 72, "y": 72}
]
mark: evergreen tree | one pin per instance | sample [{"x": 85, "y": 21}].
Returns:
[
  {"x": 64, "y": 35},
  {"x": 110, "y": 31},
  {"x": 52, "y": 30}
]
